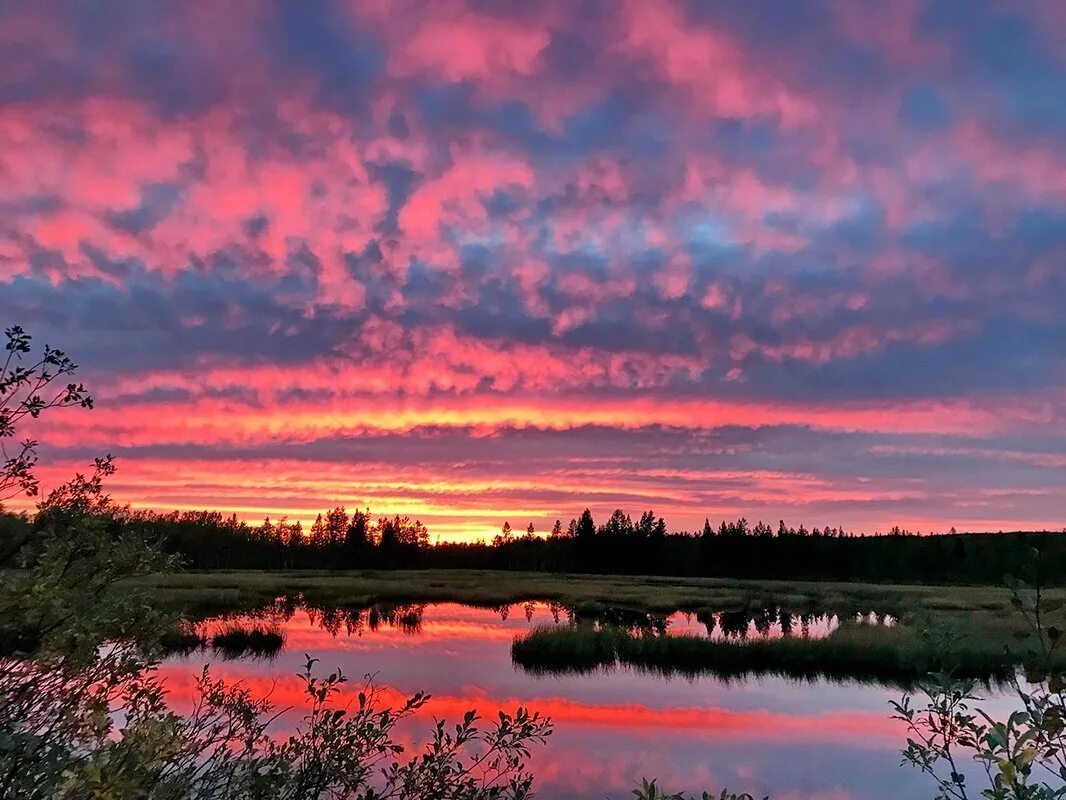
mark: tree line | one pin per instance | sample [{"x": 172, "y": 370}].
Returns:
[{"x": 209, "y": 540}]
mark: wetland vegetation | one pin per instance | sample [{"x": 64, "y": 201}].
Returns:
[{"x": 622, "y": 620}]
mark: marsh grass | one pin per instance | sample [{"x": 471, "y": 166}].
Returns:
[
  {"x": 182, "y": 639},
  {"x": 210, "y": 592},
  {"x": 237, "y": 641},
  {"x": 980, "y": 640},
  {"x": 555, "y": 649},
  {"x": 897, "y": 655}
]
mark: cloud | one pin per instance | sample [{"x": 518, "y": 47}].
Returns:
[{"x": 489, "y": 217}]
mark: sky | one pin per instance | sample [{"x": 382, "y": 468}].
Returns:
[{"x": 475, "y": 260}]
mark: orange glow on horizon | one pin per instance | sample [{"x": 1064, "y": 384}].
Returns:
[{"x": 470, "y": 507}]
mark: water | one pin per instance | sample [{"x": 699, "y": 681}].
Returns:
[{"x": 792, "y": 740}]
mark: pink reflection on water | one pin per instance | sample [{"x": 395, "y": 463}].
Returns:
[
  {"x": 449, "y": 620},
  {"x": 799, "y": 740}
]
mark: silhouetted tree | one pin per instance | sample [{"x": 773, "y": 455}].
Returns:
[
  {"x": 619, "y": 524},
  {"x": 357, "y": 540},
  {"x": 586, "y": 526},
  {"x": 336, "y": 527},
  {"x": 388, "y": 539},
  {"x": 319, "y": 535},
  {"x": 645, "y": 524},
  {"x": 707, "y": 546},
  {"x": 208, "y": 540}
]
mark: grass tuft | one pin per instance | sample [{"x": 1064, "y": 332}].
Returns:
[{"x": 237, "y": 641}]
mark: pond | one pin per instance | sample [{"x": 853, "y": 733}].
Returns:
[{"x": 790, "y": 739}]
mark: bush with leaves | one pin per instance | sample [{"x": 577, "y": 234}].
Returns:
[
  {"x": 28, "y": 390},
  {"x": 84, "y": 713},
  {"x": 1022, "y": 757}
]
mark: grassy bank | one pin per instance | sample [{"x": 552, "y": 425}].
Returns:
[
  {"x": 979, "y": 632},
  {"x": 899, "y": 655},
  {"x": 210, "y": 591}
]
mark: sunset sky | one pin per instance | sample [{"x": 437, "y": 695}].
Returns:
[{"x": 487, "y": 260}]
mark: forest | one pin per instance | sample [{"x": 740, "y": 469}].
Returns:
[{"x": 209, "y": 540}]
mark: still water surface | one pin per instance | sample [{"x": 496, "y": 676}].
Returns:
[{"x": 793, "y": 740}]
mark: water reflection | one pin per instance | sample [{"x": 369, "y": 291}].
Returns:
[
  {"x": 744, "y": 624},
  {"x": 765, "y": 735}
]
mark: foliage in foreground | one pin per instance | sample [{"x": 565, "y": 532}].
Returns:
[
  {"x": 223, "y": 749},
  {"x": 650, "y": 791},
  {"x": 1020, "y": 758},
  {"x": 84, "y": 714}
]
